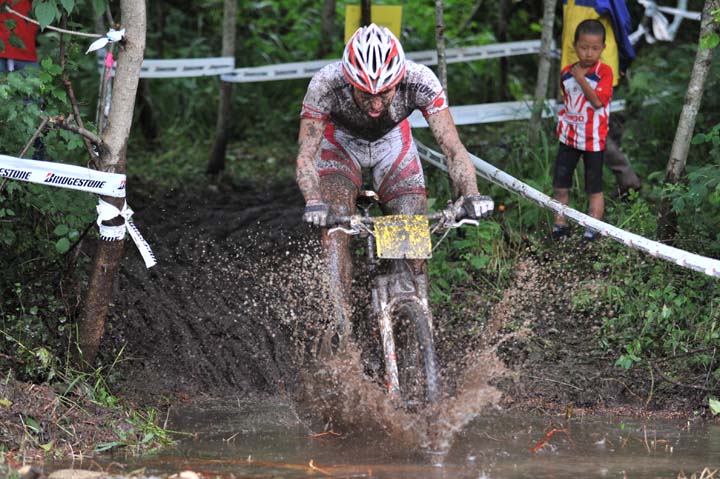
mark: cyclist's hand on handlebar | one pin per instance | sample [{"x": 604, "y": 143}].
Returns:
[
  {"x": 316, "y": 213},
  {"x": 478, "y": 206}
]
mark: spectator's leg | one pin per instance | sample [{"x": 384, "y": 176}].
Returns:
[
  {"x": 616, "y": 161},
  {"x": 596, "y": 207},
  {"x": 563, "y": 196}
]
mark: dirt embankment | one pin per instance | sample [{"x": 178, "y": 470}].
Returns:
[{"x": 238, "y": 296}]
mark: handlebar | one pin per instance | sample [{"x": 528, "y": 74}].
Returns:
[{"x": 451, "y": 217}]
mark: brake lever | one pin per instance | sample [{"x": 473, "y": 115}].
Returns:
[{"x": 348, "y": 231}]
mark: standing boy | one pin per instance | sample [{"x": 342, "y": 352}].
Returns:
[{"x": 583, "y": 122}]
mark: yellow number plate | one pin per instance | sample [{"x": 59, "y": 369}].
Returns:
[{"x": 402, "y": 236}]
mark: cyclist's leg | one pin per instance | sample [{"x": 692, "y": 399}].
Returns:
[
  {"x": 340, "y": 177},
  {"x": 398, "y": 178}
]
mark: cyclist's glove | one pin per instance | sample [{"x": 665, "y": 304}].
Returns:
[
  {"x": 316, "y": 212},
  {"x": 478, "y": 206}
]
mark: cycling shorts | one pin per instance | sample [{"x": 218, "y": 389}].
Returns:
[
  {"x": 567, "y": 160},
  {"x": 393, "y": 160}
]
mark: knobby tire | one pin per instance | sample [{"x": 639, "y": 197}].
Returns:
[{"x": 417, "y": 366}]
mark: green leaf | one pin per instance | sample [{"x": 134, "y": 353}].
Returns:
[
  {"x": 100, "y": 6},
  {"x": 68, "y": 5},
  {"x": 32, "y": 424},
  {"x": 15, "y": 41},
  {"x": 708, "y": 42},
  {"x": 62, "y": 245},
  {"x": 714, "y": 406},
  {"x": 106, "y": 446},
  {"x": 61, "y": 230},
  {"x": 699, "y": 138},
  {"x": 45, "y": 12}
]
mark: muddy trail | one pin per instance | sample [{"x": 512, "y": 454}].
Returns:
[{"x": 238, "y": 298}]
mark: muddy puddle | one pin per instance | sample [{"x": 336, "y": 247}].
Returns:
[{"x": 269, "y": 438}]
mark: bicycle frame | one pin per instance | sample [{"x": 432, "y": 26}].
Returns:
[{"x": 398, "y": 289}]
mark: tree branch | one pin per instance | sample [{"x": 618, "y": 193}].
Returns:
[
  {"x": 65, "y": 124},
  {"x": 677, "y": 383},
  {"x": 70, "y": 32}
]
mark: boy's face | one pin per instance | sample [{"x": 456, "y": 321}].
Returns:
[{"x": 588, "y": 49}]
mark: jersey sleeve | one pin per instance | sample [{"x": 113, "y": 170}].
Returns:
[
  {"x": 604, "y": 87},
  {"x": 317, "y": 103},
  {"x": 430, "y": 96}
]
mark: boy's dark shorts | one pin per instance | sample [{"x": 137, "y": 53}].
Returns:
[{"x": 567, "y": 160}]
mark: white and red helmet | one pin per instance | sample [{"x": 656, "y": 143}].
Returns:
[{"x": 374, "y": 60}]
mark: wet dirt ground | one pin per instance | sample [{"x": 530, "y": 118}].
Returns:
[{"x": 238, "y": 298}]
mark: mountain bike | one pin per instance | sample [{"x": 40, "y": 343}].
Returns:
[{"x": 399, "y": 298}]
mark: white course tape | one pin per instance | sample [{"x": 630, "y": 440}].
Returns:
[
  {"x": 498, "y": 111},
  {"x": 181, "y": 68},
  {"x": 287, "y": 71},
  {"x": 106, "y": 212},
  {"x": 680, "y": 257},
  {"x": 111, "y": 36},
  {"x": 63, "y": 175}
]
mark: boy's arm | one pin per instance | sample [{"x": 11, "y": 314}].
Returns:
[{"x": 579, "y": 74}]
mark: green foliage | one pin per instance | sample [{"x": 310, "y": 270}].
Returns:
[
  {"x": 468, "y": 258},
  {"x": 39, "y": 226},
  {"x": 141, "y": 433}
]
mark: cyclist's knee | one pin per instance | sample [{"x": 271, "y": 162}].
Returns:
[{"x": 339, "y": 193}]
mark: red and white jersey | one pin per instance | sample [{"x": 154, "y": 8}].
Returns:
[
  {"x": 582, "y": 126},
  {"x": 329, "y": 97}
]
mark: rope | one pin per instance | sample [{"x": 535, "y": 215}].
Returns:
[{"x": 485, "y": 170}]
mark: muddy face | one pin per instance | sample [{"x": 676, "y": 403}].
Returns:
[{"x": 374, "y": 105}]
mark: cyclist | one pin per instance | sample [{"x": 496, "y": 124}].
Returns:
[{"x": 354, "y": 117}]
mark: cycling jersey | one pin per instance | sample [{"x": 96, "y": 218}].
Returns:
[
  {"x": 330, "y": 97},
  {"x": 581, "y": 125},
  {"x": 353, "y": 140}
]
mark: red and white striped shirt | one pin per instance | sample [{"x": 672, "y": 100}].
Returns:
[{"x": 580, "y": 125}]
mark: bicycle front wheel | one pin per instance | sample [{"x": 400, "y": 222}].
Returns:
[{"x": 418, "y": 377}]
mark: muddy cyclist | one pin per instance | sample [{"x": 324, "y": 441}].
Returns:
[{"x": 354, "y": 118}]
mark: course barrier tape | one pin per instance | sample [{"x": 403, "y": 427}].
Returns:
[
  {"x": 287, "y": 71},
  {"x": 180, "y": 68},
  {"x": 106, "y": 212},
  {"x": 498, "y": 112},
  {"x": 84, "y": 179},
  {"x": 63, "y": 175},
  {"x": 485, "y": 170}
]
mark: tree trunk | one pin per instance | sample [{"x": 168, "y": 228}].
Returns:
[
  {"x": 328, "y": 28},
  {"x": 667, "y": 219},
  {"x": 544, "y": 65},
  {"x": 471, "y": 17},
  {"x": 216, "y": 164},
  {"x": 365, "y": 13},
  {"x": 440, "y": 41},
  {"x": 501, "y": 35},
  {"x": 113, "y": 159}
]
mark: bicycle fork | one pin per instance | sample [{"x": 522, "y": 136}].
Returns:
[{"x": 388, "y": 290}]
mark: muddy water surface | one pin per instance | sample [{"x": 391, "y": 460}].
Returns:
[{"x": 268, "y": 438}]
